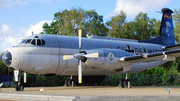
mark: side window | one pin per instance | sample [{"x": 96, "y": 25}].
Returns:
[
  {"x": 43, "y": 42},
  {"x": 38, "y": 42},
  {"x": 28, "y": 41},
  {"x": 33, "y": 42}
]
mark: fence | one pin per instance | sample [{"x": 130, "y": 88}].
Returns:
[
  {"x": 144, "y": 80},
  {"x": 7, "y": 79},
  {"x": 111, "y": 80}
]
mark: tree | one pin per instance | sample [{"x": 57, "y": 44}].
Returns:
[
  {"x": 118, "y": 26},
  {"x": 176, "y": 17},
  {"x": 141, "y": 28},
  {"x": 144, "y": 27},
  {"x": 69, "y": 22}
]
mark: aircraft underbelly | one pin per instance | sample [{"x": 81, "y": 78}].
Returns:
[{"x": 140, "y": 67}]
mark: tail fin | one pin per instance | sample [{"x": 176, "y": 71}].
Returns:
[{"x": 166, "y": 33}]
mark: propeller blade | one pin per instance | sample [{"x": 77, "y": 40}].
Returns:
[
  {"x": 80, "y": 63},
  {"x": 0, "y": 57},
  {"x": 92, "y": 55},
  {"x": 67, "y": 57},
  {"x": 79, "y": 33},
  {"x": 80, "y": 72}
]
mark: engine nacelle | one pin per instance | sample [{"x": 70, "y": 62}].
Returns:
[{"x": 108, "y": 59}]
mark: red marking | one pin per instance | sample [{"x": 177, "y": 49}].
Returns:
[
  {"x": 58, "y": 56},
  {"x": 165, "y": 15}
]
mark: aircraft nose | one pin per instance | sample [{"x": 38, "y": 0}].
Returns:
[{"x": 7, "y": 58}]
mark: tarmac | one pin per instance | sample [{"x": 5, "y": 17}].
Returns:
[{"x": 91, "y": 93}]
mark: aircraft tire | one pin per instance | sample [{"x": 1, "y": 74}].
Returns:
[
  {"x": 70, "y": 83},
  {"x": 66, "y": 83},
  {"x": 125, "y": 83},
  {"x": 19, "y": 88},
  {"x": 121, "y": 83}
]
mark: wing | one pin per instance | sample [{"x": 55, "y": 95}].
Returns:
[{"x": 168, "y": 55}]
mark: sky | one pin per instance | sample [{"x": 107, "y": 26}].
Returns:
[{"x": 19, "y": 18}]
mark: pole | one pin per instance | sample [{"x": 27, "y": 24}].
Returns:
[
  {"x": 177, "y": 80},
  {"x": 145, "y": 80},
  {"x": 161, "y": 80}
]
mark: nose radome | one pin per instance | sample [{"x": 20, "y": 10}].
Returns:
[{"x": 7, "y": 58}]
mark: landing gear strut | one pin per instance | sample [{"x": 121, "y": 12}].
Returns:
[
  {"x": 70, "y": 82},
  {"x": 17, "y": 75},
  {"x": 125, "y": 83}
]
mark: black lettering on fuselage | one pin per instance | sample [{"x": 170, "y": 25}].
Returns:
[
  {"x": 138, "y": 51},
  {"x": 149, "y": 51},
  {"x": 129, "y": 49}
]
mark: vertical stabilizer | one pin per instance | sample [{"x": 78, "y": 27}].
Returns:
[{"x": 166, "y": 33}]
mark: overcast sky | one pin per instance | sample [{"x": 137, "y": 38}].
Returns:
[{"x": 18, "y": 18}]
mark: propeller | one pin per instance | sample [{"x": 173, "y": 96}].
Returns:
[{"x": 81, "y": 56}]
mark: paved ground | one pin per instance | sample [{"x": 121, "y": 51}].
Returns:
[{"x": 97, "y": 91}]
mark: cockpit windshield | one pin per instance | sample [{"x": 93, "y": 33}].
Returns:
[
  {"x": 34, "y": 41},
  {"x": 28, "y": 41}
]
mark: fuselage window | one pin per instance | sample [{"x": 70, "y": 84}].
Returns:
[
  {"x": 38, "y": 42},
  {"x": 33, "y": 42},
  {"x": 23, "y": 41},
  {"x": 28, "y": 41},
  {"x": 43, "y": 42}
]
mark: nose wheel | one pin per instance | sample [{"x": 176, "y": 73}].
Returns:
[{"x": 19, "y": 87}]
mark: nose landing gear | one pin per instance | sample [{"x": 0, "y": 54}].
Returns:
[{"x": 17, "y": 75}]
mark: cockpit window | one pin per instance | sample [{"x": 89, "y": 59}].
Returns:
[
  {"x": 38, "y": 42},
  {"x": 28, "y": 41},
  {"x": 43, "y": 42},
  {"x": 23, "y": 41},
  {"x": 33, "y": 42}
]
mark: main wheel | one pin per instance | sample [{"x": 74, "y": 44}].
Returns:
[
  {"x": 66, "y": 83},
  {"x": 121, "y": 83},
  {"x": 71, "y": 83},
  {"x": 125, "y": 83}
]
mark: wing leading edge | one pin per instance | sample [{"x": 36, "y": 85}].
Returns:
[{"x": 165, "y": 55}]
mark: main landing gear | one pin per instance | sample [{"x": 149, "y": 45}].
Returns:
[
  {"x": 17, "y": 75},
  {"x": 70, "y": 82},
  {"x": 125, "y": 83}
]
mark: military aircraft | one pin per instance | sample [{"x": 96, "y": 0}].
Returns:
[{"x": 94, "y": 57}]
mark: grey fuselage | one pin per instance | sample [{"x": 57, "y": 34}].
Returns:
[{"x": 47, "y": 57}]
